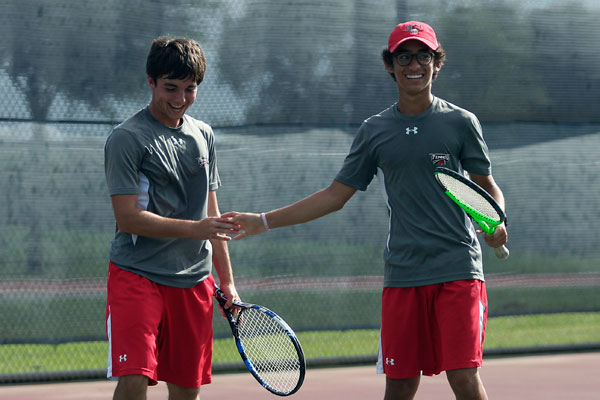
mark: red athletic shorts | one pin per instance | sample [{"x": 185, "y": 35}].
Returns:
[
  {"x": 162, "y": 332},
  {"x": 433, "y": 328}
]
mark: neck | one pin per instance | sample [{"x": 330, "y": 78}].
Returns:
[{"x": 411, "y": 106}]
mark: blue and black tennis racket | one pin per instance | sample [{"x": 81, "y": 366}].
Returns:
[{"x": 268, "y": 346}]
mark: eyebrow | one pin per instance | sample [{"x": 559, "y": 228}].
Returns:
[{"x": 191, "y": 86}]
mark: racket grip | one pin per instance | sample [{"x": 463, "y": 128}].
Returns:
[{"x": 502, "y": 252}]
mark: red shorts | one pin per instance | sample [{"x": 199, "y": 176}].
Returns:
[
  {"x": 162, "y": 332},
  {"x": 433, "y": 328}
]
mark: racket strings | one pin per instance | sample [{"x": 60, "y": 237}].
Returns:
[
  {"x": 469, "y": 197},
  {"x": 270, "y": 349}
]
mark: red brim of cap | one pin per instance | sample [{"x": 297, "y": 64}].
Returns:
[{"x": 433, "y": 46}]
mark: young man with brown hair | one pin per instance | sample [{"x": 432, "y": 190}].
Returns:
[{"x": 161, "y": 171}]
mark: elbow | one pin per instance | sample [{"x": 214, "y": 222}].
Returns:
[{"x": 124, "y": 225}]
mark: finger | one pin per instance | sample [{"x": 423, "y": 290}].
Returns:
[
  {"x": 221, "y": 236},
  {"x": 240, "y": 236}
]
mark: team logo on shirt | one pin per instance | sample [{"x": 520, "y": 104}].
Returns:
[
  {"x": 439, "y": 159},
  {"x": 202, "y": 161}
]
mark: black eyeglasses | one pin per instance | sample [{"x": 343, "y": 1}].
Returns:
[{"x": 423, "y": 58}]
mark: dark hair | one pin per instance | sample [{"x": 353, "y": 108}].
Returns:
[
  {"x": 439, "y": 56},
  {"x": 175, "y": 58}
]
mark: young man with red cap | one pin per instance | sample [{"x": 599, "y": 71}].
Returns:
[{"x": 434, "y": 304}]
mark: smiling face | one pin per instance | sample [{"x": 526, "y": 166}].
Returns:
[
  {"x": 413, "y": 79},
  {"x": 171, "y": 98}
]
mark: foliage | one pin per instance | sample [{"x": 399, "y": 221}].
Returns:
[{"x": 86, "y": 51}]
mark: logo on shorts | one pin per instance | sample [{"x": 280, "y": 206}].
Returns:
[
  {"x": 389, "y": 361},
  {"x": 439, "y": 159},
  {"x": 123, "y": 358}
]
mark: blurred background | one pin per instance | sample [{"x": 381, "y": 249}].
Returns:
[{"x": 287, "y": 85}]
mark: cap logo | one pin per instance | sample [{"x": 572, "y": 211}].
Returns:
[{"x": 414, "y": 29}]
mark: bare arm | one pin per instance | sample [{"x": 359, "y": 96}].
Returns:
[
  {"x": 221, "y": 258},
  {"x": 319, "y": 204},
  {"x": 487, "y": 182},
  {"x": 132, "y": 219}
]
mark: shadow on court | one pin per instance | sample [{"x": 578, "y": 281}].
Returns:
[{"x": 547, "y": 377}]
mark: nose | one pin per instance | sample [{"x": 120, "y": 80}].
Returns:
[{"x": 413, "y": 59}]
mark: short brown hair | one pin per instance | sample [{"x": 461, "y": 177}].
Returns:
[
  {"x": 439, "y": 56},
  {"x": 176, "y": 58}
]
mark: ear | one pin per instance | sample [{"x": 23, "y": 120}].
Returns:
[
  {"x": 437, "y": 67},
  {"x": 151, "y": 82},
  {"x": 388, "y": 68}
]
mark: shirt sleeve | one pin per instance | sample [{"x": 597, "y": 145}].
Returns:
[
  {"x": 474, "y": 155},
  {"x": 122, "y": 160},
  {"x": 214, "y": 181},
  {"x": 359, "y": 165}
]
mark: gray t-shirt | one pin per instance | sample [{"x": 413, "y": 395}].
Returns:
[
  {"x": 171, "y": 170},
  {"x": 431, "y": 240}
]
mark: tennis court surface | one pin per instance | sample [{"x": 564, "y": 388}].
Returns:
[{"x": 547, "y": 377}]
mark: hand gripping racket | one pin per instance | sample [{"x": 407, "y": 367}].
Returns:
[
  {"x": 268, "y": 346},
  {"x": 474, "y": 201}
]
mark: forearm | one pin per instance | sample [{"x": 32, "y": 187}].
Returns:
[
  {"x": 310, "y": 208},
  {"x": 222, "y": 262},
  {"x": 131, "y": 219},
  {"x": 145, "y": 223}
]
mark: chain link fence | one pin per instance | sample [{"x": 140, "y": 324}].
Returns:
[{"x": 287, "y": 84}]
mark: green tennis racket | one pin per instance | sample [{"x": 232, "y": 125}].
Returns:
[{"x": 475, "y": 201}]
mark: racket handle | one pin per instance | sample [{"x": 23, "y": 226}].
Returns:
[{"x": 501, "y": 252}]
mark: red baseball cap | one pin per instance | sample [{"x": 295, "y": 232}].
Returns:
[{"x": 412, "y": 30}]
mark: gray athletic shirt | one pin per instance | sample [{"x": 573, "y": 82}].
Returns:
[
  {"x": 171, "y": 170},
  {"x": 431, "y": 240}
]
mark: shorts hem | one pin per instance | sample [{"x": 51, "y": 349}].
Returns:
[
  {"x": 147, "y": 373},
  {"x": 206, "y": 380}
]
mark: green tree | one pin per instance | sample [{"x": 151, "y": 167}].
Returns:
[
  {"x": 491, "y": 69},
  {"x": 568, "y": 59},
  {"x": 301, "y": 62}
]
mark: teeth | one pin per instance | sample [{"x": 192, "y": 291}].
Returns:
[{"x": 414, "y": 76}]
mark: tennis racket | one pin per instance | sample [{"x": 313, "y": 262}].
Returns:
[
  {"x": 475, "y": 201},
  {"x": 268, "y": 346}
]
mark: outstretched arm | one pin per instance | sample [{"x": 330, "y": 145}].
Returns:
[
  {"x": 132, "y": 219},
  {"x": 323, "y": 202}
]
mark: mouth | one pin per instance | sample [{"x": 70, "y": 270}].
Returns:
[
  {"x": 414, "y": 76},
  {"x": 176, "y": 108}
]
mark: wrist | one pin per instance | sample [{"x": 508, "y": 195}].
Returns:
[{"x": 263, "y": 217}]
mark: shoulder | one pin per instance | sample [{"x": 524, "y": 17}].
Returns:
[
  {"x": 451, "y": 110},
  {"x": 454, "y": 115},
  {"x": 198, "y": 127},
  {"x": 382, "y": 117},
  {"x": 132, "y": 125},
  {"x": 378, "y": 122}
]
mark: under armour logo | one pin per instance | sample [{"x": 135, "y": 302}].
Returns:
[
  {"x": 123, "y": 357},
  {"x": 389, "y": 361},
  {"x": 414, "y": 130}
]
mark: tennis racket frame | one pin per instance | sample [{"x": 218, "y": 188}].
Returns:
[
  {"x": 487, "y": 225},
  {"x": 233, "y": 324}
]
